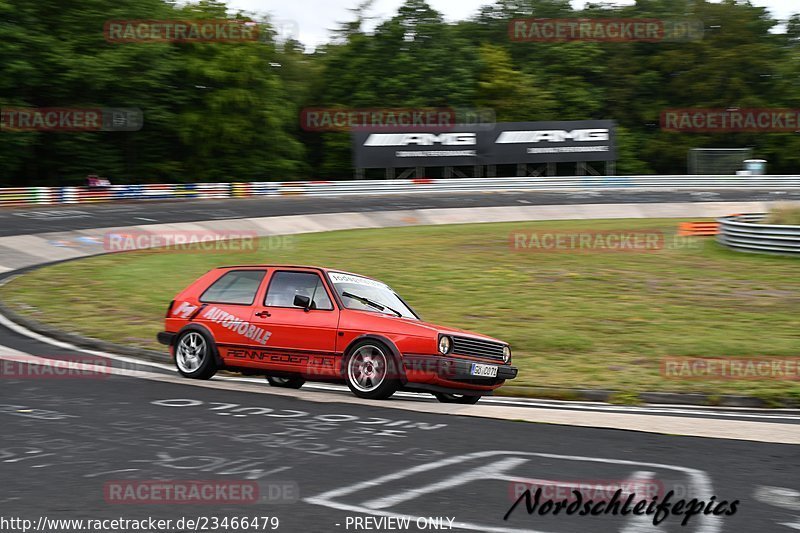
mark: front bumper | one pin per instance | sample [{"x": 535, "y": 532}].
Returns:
[{"x": 453, "y": 373}]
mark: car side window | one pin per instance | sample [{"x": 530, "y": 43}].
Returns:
[
  {"x": 235, "y": 287},
  {"x": 284, "y": 286}
]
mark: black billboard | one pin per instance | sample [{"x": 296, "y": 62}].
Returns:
[
  {"x": 453, "y": 147},
  {"x": 506, "y": 143},
  {"x": 553, "y": 142}
]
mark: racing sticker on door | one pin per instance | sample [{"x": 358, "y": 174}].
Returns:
[
  {"x": 237, "y": 325},
  {"x": 184, "y": 310}
]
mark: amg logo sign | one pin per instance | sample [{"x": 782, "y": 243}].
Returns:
[
  {"x": 507, "y": 143},
  {"x": 553, "y": 136},
  {"x": 421, "y": 139}
]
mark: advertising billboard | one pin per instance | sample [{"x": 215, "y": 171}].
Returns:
[{"x": 506, "y": 143}]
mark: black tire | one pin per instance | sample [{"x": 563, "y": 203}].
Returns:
[
  {"x": 371, "y": 371},
  {"x": 195, "y": 354},
  {"x": 286, "y": 383},
  {"x": 457, "y": 398}
]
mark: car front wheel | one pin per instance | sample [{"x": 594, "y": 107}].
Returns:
[
  {"x": 371, "y": 371},
  {"x": 286, "y": 383},
  {"x": 194, "y": 355},
  {"x": 457, "y": 398}
]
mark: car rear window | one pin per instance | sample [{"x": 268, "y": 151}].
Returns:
[{"x": 235, "y": 287}]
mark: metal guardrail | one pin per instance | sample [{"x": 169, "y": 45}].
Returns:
[
  {"x": 582, "y": 183},
  {"x": 39, "y": 196},
  {"x": 744, "y": 233}
]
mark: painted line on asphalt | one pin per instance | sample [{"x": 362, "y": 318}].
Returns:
[
  {"x": 599, "y": 406},
  {"x": 701, "y": 482},
  {"x": 695, "y": 427},
  {"x": 20, "y": 330},
  {"x": 510, "y": 402},
  {"x": 15, "y": 356},
  {"x": 637, "y": 409}
]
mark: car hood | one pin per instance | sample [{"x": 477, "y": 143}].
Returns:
[{"x": 435, "y": 328}]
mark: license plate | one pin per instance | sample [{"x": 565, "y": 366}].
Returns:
[{"x": 484, "y": 371}]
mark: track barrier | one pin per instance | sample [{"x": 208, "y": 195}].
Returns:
[{"x": 41, "y": 196}]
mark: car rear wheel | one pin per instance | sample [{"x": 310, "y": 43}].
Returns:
[
  {"x": 194, "y": 355},
  {"x": 286, "y": 383},
  {"x": 457, "y": 398},
  {"x": 371, "y": 371}
]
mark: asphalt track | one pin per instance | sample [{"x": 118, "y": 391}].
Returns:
[
  {"x": 89, "y": 216},
  {"x": 66, "y": 442}
]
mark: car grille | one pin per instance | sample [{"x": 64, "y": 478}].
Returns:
[{"x": 477, "y": 348}]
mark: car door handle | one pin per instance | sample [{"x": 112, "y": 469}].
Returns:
[{"x": 263, "y": 314}]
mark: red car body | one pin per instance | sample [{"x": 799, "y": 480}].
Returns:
[{"x": 293, "y": 340}]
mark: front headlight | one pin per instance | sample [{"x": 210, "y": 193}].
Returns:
[
  {"x": 506, "y": 354},
  {"x": 445, "y": 344}
]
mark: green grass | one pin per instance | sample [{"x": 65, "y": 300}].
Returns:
[
  {"x": 591, "y": 319},
  {"x": 785, "y": 216}
]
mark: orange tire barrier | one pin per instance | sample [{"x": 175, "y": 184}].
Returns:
[{"x": 698, "y": 229}]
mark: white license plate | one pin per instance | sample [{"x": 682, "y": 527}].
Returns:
[{"x": 484, "y": 371}]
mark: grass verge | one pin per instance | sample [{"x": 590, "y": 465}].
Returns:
[
  {"x": 784, "y": 216},
  {"x": 593, "y": 319}
]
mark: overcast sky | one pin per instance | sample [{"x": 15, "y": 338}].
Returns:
[{"x": 314, "y": 18}]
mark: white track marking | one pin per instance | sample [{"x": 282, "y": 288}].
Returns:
[
  {"x": 782, "y": 497},
  {"x": 758, "y": 432},
  {"x": 16, "y": 328},
  {"x": 636, "y": 409},
  {"x": 793, "y": 525},
  {"x": 112, "y": 472},
  {"x": 8, "y": 354},
  {"x": 524, "y": 402},
  {"x": 487, "y": 471},
  {"x": 642, "y": 523},
  {"x": 515, "y": 402},
  {"x": 701, "y": 483}
]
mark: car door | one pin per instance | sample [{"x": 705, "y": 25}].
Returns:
[
  {"x": 302, "y": 339},
  {"x": 226, "y": 307}
]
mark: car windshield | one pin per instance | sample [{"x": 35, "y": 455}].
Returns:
[{"x": 366, "y": 294}]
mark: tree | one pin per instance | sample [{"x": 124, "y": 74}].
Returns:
[
  {"x": 512, "y": 94},
  {"x": 229, "y": 111}
]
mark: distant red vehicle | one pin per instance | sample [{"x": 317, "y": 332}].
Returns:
[{"x": 298, "y": 323}]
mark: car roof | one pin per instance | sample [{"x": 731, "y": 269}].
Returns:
[
  {"x": 310, "y": 267},
  {"x": 259, "y": 265}
]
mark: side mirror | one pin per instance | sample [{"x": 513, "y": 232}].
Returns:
[{"x": 302, "y": 301}]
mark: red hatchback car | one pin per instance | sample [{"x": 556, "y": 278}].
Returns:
[{"x": 297, "y": 323}]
